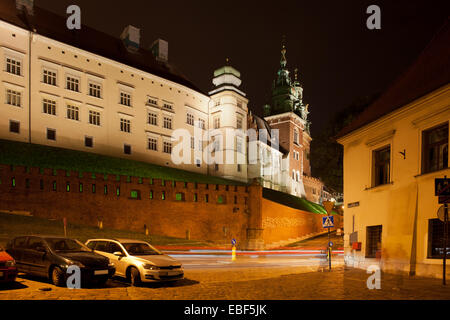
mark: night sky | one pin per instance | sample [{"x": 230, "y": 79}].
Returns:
[{"x": 338, "y": 58}]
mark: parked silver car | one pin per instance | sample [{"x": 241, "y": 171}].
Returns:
[{"x": 137, "y": 260}]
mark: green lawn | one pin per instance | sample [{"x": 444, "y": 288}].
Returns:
[
  {"x": 34, "y": 155},
  {"x": 12, "y": 225}
]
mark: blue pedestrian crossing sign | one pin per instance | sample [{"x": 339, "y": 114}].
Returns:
[
  {"x": 233, "y": 242},
  {"x": 328, "y": 222}
]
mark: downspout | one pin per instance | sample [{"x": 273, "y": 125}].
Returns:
[{"x": 29, "y": 85}]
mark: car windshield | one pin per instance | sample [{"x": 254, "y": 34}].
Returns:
[
  {"x": 140, "y": 249},
  {"x": 66, "y": 245}
]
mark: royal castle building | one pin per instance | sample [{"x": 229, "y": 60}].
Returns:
[{"x": 88, "y": 91}]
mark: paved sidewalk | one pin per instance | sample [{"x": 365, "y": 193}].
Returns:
[{"x": 294, "y": 283}]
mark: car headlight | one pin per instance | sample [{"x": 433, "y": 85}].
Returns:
[
  {"x": 150, "y": 266},
  {"x": 10, "y": 263}
]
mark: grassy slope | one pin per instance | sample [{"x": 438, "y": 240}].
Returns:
[
  {"x": 13, "y": 225},
  {"x": 33, "y": 155}
]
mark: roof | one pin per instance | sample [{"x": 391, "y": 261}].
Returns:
[
  {"x": 430, "y": 71},
  {"x": 262, "y": 124},
  {"x": 53, "y": 26}
]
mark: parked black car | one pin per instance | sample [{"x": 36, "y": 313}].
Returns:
[{"x": 50, "y": 256}]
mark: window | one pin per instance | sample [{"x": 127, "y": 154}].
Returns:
[
  {"x": 95, "y": 90},
  {"x": 125, "y": 98},
  {"x": 125, "y": 125},
  {"x": 152, "y": 118},
  {"x": 152, "y": 101},
  {"x": 217, "y": 103},
  {"x": 216, "y": 142},
  {"x": 89, "y": 142},
  {"x": 296, "y": 137},
  {"x": 382, "y": 163},
  {"x": 94, "y": 117},
  {"x": 167, "y": 148},
  {"x": 239, "y": 122},
  {"x": 216, "y": 167},
  {"x": 239, "y": 145},
  {"x": 73, "y": 113},
  {"x": 126, "y": 149},
  {"x": 217, "y": 123},
  {"x": 435, "y": 149},
  {"x": 192, "y": 142},
  {"x": 153, "y": 144},
  {"x": 179, "y": 196},
  {"x": 135, "y": 194},
  {"x": 239, "y": 168},
  {"x": 13, "y": 66},
  {"x": 49, "y": 77},
  {"x": 435, "y": 238},
  {"x": 51, "y": 134},
  {"x": 198, "y": 163},
  {"x": 49, "y": 106},
  {"x": 201, "y": 124},
  {"x": 13, "y": 97},
  {"x": 373, "y": 241},
  {"x": 14, "y": 126},
  {"x": 167, "y": 123},
  {"x": 190, "y": 119},
  {"x": 72, "y": 84},
  {"x": 168, "y": 106}
]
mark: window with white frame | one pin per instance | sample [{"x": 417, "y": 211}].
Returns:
[
  {"x": 49, "y": 106},
  {"x": 216, "y": 142},
  {"x": 72, "y": 83},
  {"x": 201, "y": 124},
  {"x": 94, "y": 117},
  {"x": 125, "y": 98},
  {"x": 13, "y": 97},
  {"x": 153, "y": 118},
  {"x": 200, "y": 145},
  {"x": 73, "y": 113},
  {"x": 125, "y": 125},
  {"x": 216, "y": 122},
  {"x": 190, "y": 119},
  {"x": 153, "y": 144},
  {"x": 49, "y": 77},
  {"x": 167, "y": 123},
  {"x": 152, "y": 101},
  {"x": 296, "y": 137},
  {"x": 192, "y": 143},
  {"x": 238, "y": 144},
  {"x": 95, "y": 90},
  {"x": 14, "y": 66},
  {"x": 167, "y": 147},
  {"x": 168, "y": 106}
]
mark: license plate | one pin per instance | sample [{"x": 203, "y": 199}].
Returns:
[
  {"x": 99, "y": 272},
  {"x": 1, "y": 273},
  {"x": 173, "y": 273}
]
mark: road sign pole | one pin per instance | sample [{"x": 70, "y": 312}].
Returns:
[
  {"x": 444, "y": 262},
  {"x": 329, "y": 251}
]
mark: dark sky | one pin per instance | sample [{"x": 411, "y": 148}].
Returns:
[{"x": 338, "y": 58}]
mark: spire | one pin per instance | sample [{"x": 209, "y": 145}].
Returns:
[{"x": 283, "y": 60}]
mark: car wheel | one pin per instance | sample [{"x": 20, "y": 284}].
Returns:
[
  {"x": 135, "y": 277},
  {"x": 57, "y": 277}
]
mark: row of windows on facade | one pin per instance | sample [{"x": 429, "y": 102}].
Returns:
[
  {"x": 73, "y": 83},
  {"x": 436, "y": 232},
  {"x": 134, "y": 194},
  {"x": 434, "y": 155}
]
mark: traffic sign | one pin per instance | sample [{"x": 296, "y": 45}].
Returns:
[
  {"x": 441, "y": 213},
  {"x": 328, "y": 205},
  {"x": 233, "y": 242},
  {"x": 442, "y": 187},
  {"x": 328, "y": 222},
  {"x": 330, "y": 244}
]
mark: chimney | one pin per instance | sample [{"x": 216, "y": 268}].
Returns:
[
  {"x": 160, "y": 49},
  {"x": 27, "y": 5},
  {"x": 131, "y": 38}
]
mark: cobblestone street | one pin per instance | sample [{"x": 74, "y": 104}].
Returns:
[{"x": 302, "y": 283}]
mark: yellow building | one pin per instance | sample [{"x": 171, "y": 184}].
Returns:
[{"x": 392, "y": 154}]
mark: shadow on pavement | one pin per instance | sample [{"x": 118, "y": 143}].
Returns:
[
  {"x": 111, "y": 283},
  {"x": 169, "y": 284},
  {"x": 12, "y": 286}
]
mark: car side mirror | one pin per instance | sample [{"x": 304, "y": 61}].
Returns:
[{"x": 118, "y": 254}]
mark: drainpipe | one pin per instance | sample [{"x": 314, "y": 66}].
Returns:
[{"x": 29, "y": 84}]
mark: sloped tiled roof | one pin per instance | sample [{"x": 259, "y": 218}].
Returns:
[
  {"x": 430, "y": 71},
  {"x": 53, "y": 26}
]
